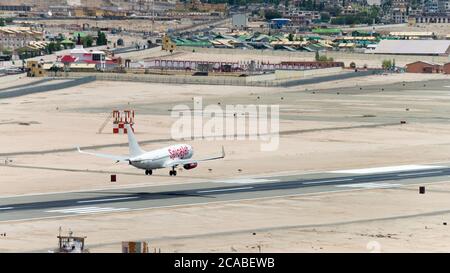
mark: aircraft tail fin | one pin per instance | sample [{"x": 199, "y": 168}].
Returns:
[{"x": 133, "y": 145}]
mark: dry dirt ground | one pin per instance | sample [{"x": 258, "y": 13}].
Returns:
[{"x": 39, "y": 134}]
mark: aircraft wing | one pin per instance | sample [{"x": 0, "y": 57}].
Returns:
[
  {"x": 117, "y": 158},
  {"x": 176, "y": 162}
]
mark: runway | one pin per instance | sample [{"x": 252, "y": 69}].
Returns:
[{"x": 119, "y": 200}]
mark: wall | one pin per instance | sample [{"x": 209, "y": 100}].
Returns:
[
  {"x": 290, "y": 74},
  {"x": 422, "y": 68},
  {"x": 238, "y": 81},
  {"x": 260, "y": 78},
  {"x": 447, "y": 68}
]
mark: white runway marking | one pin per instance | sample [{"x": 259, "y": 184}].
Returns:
[
  {"x": 412, "y": 174},
  {"x": 369, "y": 185},
  {"x": 222, "y": 190},
  {"x": 389, "y": 169},
  {"x": 328, "y": 181},
  {"x": 246, "y": 180},
  {"x": 106, "y": 200},
  {"x": 6, "y": 208},
  {"x": 86, "y": 210}
]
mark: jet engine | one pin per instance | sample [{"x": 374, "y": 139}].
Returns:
[{"x": 190, "y": 166}]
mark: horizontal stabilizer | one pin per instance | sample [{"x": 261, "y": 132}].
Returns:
[{"x": 117, "y": 158}]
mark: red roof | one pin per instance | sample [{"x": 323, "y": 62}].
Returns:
[{"x": 68, "y": 59}]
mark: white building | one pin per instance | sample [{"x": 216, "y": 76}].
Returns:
[
  {"x": 414, "y": 47},
  {"x": 240, "y": 21},
  {"x": 374, "y": 2}
]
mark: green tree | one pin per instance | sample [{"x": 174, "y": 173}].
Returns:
[
  {"x": 291, "y": 37},
  {"x": 52, "y": 47},
  {"x": 325, "y": 17},
  {"x": 325, "y": 59},
  {"x": 101, "y": 38},
  {"x": 88, "y": 41},
  {"x": 317, "y": 57},
  {"x": 271, "y": 14},
  {"x": 386, "y": 64},
  {"x": 2, "y": 22}
]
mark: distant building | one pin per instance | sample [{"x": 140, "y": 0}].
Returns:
[
  {"x": 423, "y": 67},
  {"x": 374, "y": 2},
  {"x": 431, "y": 6},
  {"x": 61, "y": 11},
  {"x": 399, "y": 12},
  {"x": 414, "y": 47},
  {"x": 430, "y": 18},
  {"x": 197, "y": 5},
  {"x": 409, "y": 35},
  {"x": 239, "y": 21},
  {"x": 279, "y": 23},
  {"x": 80, "y": 55},
  {"x": 16, "y": 8},
  {"x": 17, "y": 37},
  {"x": 302, "y": 17}
]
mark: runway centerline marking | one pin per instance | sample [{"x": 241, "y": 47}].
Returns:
[
  {"x": 369, "y": 185},
  {"x": 6, "y": 208},
  {"x": 328, "y": 181},
  {"x": 86, "y": 210},
  {"x": 246, "y": 180},
  {"x": 411, "y": 174},
  {"x": 389, "y": 169},
  {"x": 222, "y": 190},
  {"x": 106, "y": 200}
]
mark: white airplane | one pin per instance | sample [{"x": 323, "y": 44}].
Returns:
[{"x": 168, "y": 157}]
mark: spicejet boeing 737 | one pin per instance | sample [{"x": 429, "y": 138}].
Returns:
[{"x": 169, "y": 157}]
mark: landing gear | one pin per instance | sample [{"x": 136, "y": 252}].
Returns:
[
  {"x": 148, "y": 172},
  {"x": 173, "y": 172}
]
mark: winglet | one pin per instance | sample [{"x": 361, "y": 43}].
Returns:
[
  {"x": 79, "y": 150},
  {"x": 223, "y": 152}
]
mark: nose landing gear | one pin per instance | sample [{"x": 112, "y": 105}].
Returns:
[{"x": 148, "y": 172}]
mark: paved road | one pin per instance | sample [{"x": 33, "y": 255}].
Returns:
[{"x": 118, "y": 200}]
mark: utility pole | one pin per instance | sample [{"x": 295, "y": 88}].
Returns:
[{"x": 153, "y": 14}]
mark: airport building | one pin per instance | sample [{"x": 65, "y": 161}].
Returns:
[
  {"x": 424, "y": 67},
  {"x": 414, "y": 47},
  {"x": 446, "y": 68}
]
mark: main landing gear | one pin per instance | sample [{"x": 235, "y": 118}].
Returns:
[
  {"x": 173, "y": 172},
  {"x": 148, "y": 172}
]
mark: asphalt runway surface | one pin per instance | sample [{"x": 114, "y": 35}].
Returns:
[{"x": 42, "y": 206}]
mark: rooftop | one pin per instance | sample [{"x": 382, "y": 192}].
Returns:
[{"x": 414, "y": 47}]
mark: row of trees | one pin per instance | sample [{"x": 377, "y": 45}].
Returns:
[
  {"x": 88, "y": 41},
  {"x": 323, "y": 58}
]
